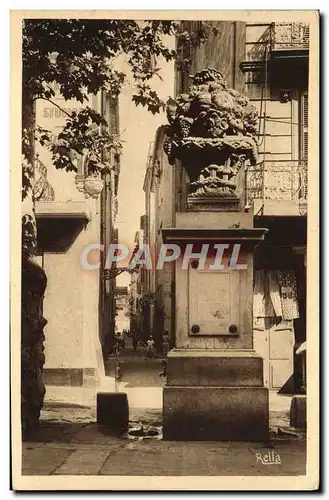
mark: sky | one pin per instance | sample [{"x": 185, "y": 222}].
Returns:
[{"x": 138, "y": 128}]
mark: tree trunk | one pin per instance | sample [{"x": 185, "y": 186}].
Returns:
[
  {"x": 32, "y": 356},
  {"x": 33, "y": 287}
]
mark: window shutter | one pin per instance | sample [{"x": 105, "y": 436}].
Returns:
[
  {"x": 304, "y": 126},
  {"x": 304, "y": 144}
]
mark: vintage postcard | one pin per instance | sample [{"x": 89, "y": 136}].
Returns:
[{"x": 164, "y": 200}]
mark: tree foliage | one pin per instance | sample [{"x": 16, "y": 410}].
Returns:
[{"x": 80, "y": 57}]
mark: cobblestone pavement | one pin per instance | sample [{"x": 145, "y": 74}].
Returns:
[
  {"x": 69, "y": 441},
  {"x": 87, "y": 449}
]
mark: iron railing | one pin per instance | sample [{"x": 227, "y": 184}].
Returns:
[
  {"x": 276, "y": 180},
  {"x": 290, "y": 36}
]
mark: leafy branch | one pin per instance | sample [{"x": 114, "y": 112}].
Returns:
[{"x": 79, "y": 56}]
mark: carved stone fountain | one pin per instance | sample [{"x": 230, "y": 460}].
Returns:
[
  {"x": 214, "y": 387},
  {"x": 212, "y": 132}
]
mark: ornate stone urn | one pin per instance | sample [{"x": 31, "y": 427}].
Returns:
[
  {"x": 89, "y": 179},
  {"x": 93, "y": 186},
  {"x": 212, "y": 132}
]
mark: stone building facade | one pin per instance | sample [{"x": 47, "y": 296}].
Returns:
[
  {"x": 158, "y": 285},
  {"x": 276, "y": 79},
  {"x": 122, "y": 308},
  {"x": 79, "y": 304}
]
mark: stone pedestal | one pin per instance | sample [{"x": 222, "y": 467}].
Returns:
[
  {"x": 298, "y": 412},
  {"x": 215, "y": 388},
  {"x": 215, "y": 380}
]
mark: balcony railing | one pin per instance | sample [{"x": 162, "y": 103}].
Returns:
[
  {"x": 290, "y": 36},
  {"x": 277, "y": 180}
]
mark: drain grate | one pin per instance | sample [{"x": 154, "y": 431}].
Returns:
[{"x": 141, "y": 431}]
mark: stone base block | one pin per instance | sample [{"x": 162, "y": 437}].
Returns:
[
  {"x": 298, "y": 412},
  {"x": 215, "y": 413},
  {"x": 113, "y": 411},
  {"x": 214, "y": 204},
  {"x": 202, "y": 367}
]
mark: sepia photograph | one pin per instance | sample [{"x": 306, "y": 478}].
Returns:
[{"x": 164, "y": 220}]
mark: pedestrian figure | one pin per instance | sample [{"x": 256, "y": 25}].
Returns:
[
  {"x": 164, "y": 369},
  {"x": 150, "y": 348},
  {"x": 165, "y": 343},
  {"x": 117, "y": 342},
  {"x": 123, "y": 339},
  {"x": 118, "y": 372},
  {"x": 135, "y": 340}
]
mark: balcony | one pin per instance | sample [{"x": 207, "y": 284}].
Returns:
[
  {"x": 290, "y": 36},
  {"x": 282, "y": 48},
  {"x": 289, "y": 54},
  {"x": 277, "y": 188}
]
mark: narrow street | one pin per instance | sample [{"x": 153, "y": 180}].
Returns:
[
  {"x": 136, "y": 368},
  {"x": 140, "y": 352},
  {"x": 70, "y": 442}
]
